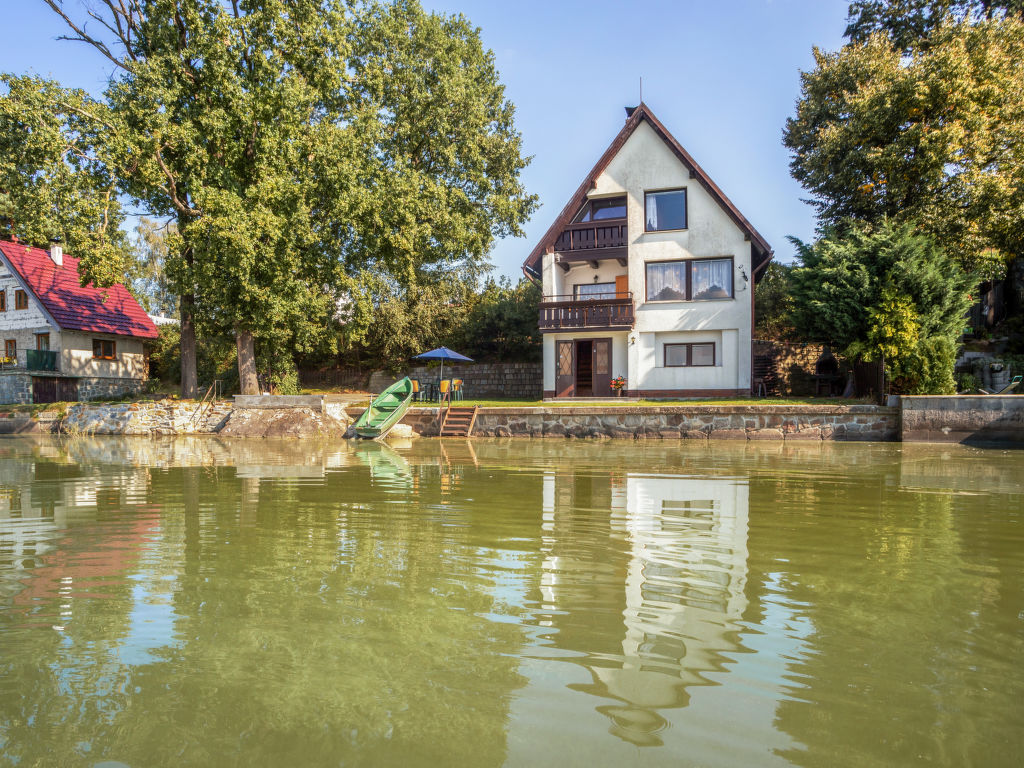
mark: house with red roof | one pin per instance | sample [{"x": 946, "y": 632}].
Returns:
[
  {"x": 62, "y": 340},
  {"x": 648, "y": 276}
]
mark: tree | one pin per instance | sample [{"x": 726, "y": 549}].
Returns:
[
  {"x": 54, "y": 179},
  {"x": 909, "y": 23},
  {"x": 150, "y": 283},
  {"x": 502, "y": 323},
  {"x": 933, "y": 135},
  {"x": 884, "y": 291},
  {"x": 774, "y": 303}
]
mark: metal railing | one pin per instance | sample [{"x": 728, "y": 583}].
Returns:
[{"x": 41, "y": 359}]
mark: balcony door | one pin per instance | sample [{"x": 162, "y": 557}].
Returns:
[
  {"x": 583, "y": 368},
  {"x": 565, "y": 369}
]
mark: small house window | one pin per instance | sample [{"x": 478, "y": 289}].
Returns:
[
  {"x": 103, "y": 349},
  {"x": 43, "y": 341},
  {"x": 11, "y": 349},
  {"x": 602, "y": 208},
  {"x": 689, "y": 355},
  {"x": 20, "y": 299},
  {"x": 589, "y": 291},
  {"x": 3, "y": 300},
  {"x": 665, "y": 210},
  {"x": 692, "y": 280}
]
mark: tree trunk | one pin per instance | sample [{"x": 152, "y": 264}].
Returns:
[
  {"x": 189, "y": 382},
  {"x": 246, "y": 362}
]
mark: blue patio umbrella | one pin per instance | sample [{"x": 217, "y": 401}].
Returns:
[{"x": 442, "y": 354}]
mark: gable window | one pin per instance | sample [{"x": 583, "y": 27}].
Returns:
[
  {"x": 600, "y": 209},
  {"x": 589, "y": 291},
  {"x": 103, "y": 349},
  {"x": 690, "y": 355},
  {"x": 691, "y": 280},
  {"x": 665, "y": 210},
  {"x": 20, "y": 299},
  {"x": 3, "y": 300}
]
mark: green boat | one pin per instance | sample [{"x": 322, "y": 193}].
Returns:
[{"x": 386, "y": 410}]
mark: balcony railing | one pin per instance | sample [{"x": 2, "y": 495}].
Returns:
[
  {"x": 608, "y": 233},
  {"x": 41, "y": 360},
  {"x": 612, "y": 311}
]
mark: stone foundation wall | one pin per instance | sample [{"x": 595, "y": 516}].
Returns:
[
  {"x": 95, "y": 388},
  {"x": 15, "y": 387},
  {"x": 776, "y": 422},
  {"x": 963, "y": 418},
  {"x": 521, "y": 381}
]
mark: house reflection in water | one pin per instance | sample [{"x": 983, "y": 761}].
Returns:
[{"x": 669, "y": 595}]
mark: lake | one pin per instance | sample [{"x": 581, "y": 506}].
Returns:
[{"x": 198, "y": 601}]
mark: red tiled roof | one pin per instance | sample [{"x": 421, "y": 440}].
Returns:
[{"x": 94, "y": 310}]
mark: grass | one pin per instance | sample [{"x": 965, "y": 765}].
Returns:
[{"x": 745, "y": 401}]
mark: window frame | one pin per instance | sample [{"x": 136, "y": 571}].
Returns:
[
  {"x": 686, "y": 209},
  {"x": 11, "y": 345},
  {"x": 20, "y": 299},
  {"x": 689, "y": 345},
  {"x": 588, "y": 207},
  {"x": 3, "y": 299},
  {"x": 689, "y": 279},
  {"x": 608, "y": 293},
  {"x": 101, "y": 343},
  {"x": 39, "y": 340}
]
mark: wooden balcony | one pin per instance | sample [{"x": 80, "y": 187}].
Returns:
[
  {"x": 559, "y": 313},
  {"x": 593, "y": 240}
]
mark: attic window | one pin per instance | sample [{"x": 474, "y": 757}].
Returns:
[
  {"x": 600, "y": 209},
  {"x": 20, "y": 299},
  {"x": 665, "y": 210}
]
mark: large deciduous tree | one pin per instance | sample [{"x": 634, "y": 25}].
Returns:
[
  {"x": 54, "y": 179},
  {"x": 932, "y": 133}
]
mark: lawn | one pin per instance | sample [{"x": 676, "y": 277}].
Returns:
[{"x": 745, "y": 401}]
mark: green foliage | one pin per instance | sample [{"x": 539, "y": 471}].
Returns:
[
  {"x": 932, "y": 135},
  {"x": 54, "y": 177},
  {"x": 773, "y": 303},
  {"x": 909, "y": 23},
  {"x": 165, "y": 354},
  {"x": 884, "y": 290},
  {"x": 502, "y": 325},
  {"x": 150, "y": 284}
]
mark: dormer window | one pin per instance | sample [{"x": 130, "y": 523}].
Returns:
[{"x": 600, "y": 209}]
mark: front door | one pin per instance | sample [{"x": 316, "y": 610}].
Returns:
[
  {"x": 584, "y": 368},
  {"x": 601, "y": 365},
  {"x": 565, "y": 369}
]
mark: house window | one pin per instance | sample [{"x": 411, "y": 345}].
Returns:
[
  {"x": 689, "y": 355},
  {"x": 3, "y": 300},
  {"x": 588, "y": 291},
  {"x": 20, "y": 299},
  {"x": 103, "y": 349},
  {"x": 43, "y": 341},
  {"x": 598, "y": 210},
  {"x": 11, "y": 349},
  {"x": 665, "y": 210},
  {"x": 692, "y": 280}
]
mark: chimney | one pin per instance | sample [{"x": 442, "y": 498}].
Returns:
[{"x": 56, "y": 251}]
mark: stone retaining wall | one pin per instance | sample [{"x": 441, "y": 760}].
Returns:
[
  {"x": 15, "y": 387},
  {"x": 96, "y": 388},
  {"x": 962, "y": 418},
  {"x": 163, "y": 417},
  {"x": 514, "y": 381},
  {"x": 772, "y": 422}
]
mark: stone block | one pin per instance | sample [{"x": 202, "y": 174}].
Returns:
[
  {"x": 728, "y": 434},
  {"x": 765, "y": 434}
]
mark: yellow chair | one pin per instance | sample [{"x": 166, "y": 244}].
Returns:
[
  {"x": 416, "y": 395},
  {"x": 457, "y": 389},
  {"x": 444, "y": 390}
]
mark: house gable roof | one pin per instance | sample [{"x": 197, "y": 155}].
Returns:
[
  {"x": 73, "y": 306},
  {"x": 636, "y": 115}
]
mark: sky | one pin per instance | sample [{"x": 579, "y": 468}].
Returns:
[{"x": 722, "y": 75}]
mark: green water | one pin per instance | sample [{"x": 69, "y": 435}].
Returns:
[{"x": 197, "y": 602}]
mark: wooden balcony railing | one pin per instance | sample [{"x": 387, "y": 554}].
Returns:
[
  {"x": 608, "y": 233},
  {"x": 565, "y": 312}
]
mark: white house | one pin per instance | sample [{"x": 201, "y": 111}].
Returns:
[{"x": 648, "y": 273}]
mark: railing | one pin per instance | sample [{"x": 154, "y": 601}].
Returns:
[
  {"x": 612, "y": 310},
  {"x": 41, "y": 359},
  {"x": 609, "y": 233}
]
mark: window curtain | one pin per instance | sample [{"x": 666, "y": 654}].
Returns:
[
  {"x": 666, "y": 282},
  {"x": 712, "y": 279},
  {"x": 652, "y": 213}
]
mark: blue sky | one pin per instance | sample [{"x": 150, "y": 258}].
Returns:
[{"x": 722, "y": 76}]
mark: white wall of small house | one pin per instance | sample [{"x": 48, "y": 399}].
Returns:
[
  {"x": 646, "y": 163},
  {"x": 23, "y": 325},
  {"x": 77, "y": 358}
]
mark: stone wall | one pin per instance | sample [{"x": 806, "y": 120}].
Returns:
[
  {"x": 793, "y": 366},
  {"x": 15, "y": 387},
  {"x": 97, "y": 388},
  {"x": 162, "y": 417},
  {"x": 962, "y": 418},
  {"x": 755, "y": 422},
  {"x": 520, "y": 381}
]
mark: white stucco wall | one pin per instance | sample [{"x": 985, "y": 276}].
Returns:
[
  {"x": 619, "y": 353},
  {"x": 645, "y": 163},
  {"x": 76, "y": 356},
  {"x": 22, "y": 325}
]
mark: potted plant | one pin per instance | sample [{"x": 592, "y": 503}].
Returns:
[{"x": 618, "y": 384}]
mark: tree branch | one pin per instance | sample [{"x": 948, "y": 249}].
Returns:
[{"x": 99, "y": 45}]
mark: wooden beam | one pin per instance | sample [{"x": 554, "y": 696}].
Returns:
[
  {"x": 565, "y": 267},
  {"x": 622, "y": 262}
]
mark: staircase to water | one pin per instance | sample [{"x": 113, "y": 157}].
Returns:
[{"x": 458, "y": 422}]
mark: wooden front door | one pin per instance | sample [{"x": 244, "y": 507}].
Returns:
[
  {"x": 51, "y": 389},
  {"x": 565, "y": 369},
  {"x": 601, "y": 364}
]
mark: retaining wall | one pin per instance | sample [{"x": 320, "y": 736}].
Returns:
[
  {"x": 162, "y": 417},
  {"x": 962, "y": 418},
  {"x": 771, "y": 422},
  {"x": 518, "y": 381}
]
